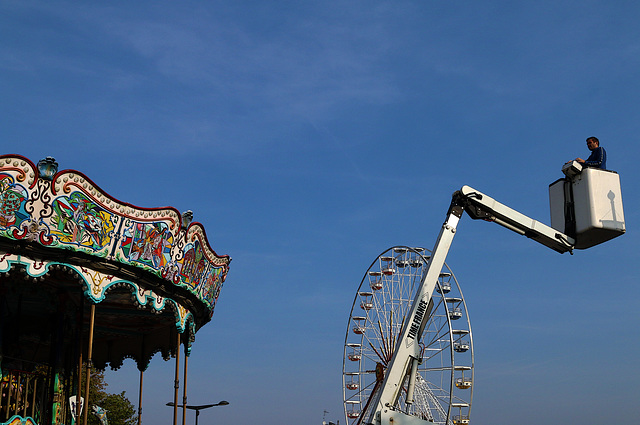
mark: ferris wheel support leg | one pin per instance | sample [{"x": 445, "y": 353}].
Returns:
[{"x": 408, "y": 347}]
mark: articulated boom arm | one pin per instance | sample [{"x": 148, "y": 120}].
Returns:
[
  {"x": 481, "y": 206},
  {"x": 407, "y": 354}
]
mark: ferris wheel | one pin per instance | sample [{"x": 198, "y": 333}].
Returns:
[{"x": 444, "y": 382}]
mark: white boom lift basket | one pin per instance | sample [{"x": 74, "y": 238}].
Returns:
[{"x": 587, "y": 205}]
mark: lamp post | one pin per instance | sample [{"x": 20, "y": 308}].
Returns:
[{"x": 199, "y": 408}]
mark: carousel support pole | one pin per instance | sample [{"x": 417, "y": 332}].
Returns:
[
  {"x": 80, "y": 327},
  {"x": 9, "y": 394},
  {"x": 2, "y": 311},
  {"x": 89, "y": 364},
  {"x": 19, "y": 392},
  {"x": 25, "y": 391},
  {"x": 176, "y": 384},
  {"x": 140, "y": 398},
  {"x": 33, "y": 397},
  {"x": 55, "y": 385},
  {"x": 142, "y": 356},
  {"x": 79, "y": 387},
  {"x": 184, "y": 389},
  {"x": 1, "y": 338}
]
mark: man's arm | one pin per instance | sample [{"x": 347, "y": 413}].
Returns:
[{"x": 596, "y": 158}]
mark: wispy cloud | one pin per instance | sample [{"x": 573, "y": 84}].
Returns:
[{"x": 305, "y": 68}]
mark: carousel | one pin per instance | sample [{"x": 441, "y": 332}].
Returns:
[{"x": 87, "y": 281}]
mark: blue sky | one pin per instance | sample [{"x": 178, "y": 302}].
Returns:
[{"x": 308, "y": 137}]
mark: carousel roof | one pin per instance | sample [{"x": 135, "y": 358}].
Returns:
[{"x": 66, "y": 244}]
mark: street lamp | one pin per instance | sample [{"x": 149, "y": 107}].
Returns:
[{"x": 199, "y": 408}]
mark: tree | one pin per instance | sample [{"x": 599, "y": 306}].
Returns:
[{"x": 120, "y": 411}]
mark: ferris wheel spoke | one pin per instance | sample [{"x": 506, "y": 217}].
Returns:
[
  {"x": 371, "y": 356},
  {"x": 431, "y": 401},
  {"x": 390, "y": 337},
  {"x": 363, "y": 390},
  {"x": 386, "y": 350},
  {"x": 440, "y": 334},
  {"x": 378, "y": 345},
  {"x": 382, "y": 358},
  {"x": 438, "y": 344}
]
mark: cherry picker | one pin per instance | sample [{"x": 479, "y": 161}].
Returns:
[{"x": 586, "y": 210}]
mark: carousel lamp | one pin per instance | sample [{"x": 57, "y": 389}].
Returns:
[
  {"x": 47, "y": 167},
  {"x": 187, "y": 217}
]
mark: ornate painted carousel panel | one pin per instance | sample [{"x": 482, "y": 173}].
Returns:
[{"x": 88, "y": 280}]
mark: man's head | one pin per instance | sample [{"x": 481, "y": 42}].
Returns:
[{"x": 592, "y": 143}]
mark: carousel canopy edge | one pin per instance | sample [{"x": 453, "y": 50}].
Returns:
[{"x": 49, "y": 213}]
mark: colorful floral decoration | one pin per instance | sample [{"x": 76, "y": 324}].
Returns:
[
  {"x": 12, "y": 198},
  {"x": 79, "y": 221},
  {"x": 66, "y": 212}
]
